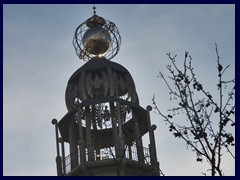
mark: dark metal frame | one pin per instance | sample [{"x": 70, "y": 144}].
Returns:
[{"x": 113, "y": 50}]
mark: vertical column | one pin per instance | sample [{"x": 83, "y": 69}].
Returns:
[
  {"x": 152, "y": 146},
  {"x": 89, "y": 139},
  {"x": 58, "y": 158},
  {"x": 138, "y": 138},
  {"x": 81, "y": 139},
  {"x": 115, "y": 130},
  {"x": 95, "y": 144},
  {"x": 120, "y": 133},
  {"x": 73, "y": 144},
  {"x": 63, "y": 156}
]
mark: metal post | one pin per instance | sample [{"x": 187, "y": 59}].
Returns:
[
  {"x": 81, "y": 139},
  {"x": 120, "y": 134},
  {"x": 58, "y": 158},
  {"x": 89, "y": 139},
  {"x": 153, "y": 153},
  {"x": 115, "y": 131},
  {"x": 73, "y": 144},
  {"x": 94, "y": 124},
  {"x": 63, "y": 156},
  {"x": 138, "y": 139}
]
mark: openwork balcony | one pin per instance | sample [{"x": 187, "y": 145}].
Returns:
[
  {"x": 105, "y": 135},
  {"x": 104, "y": 155}
]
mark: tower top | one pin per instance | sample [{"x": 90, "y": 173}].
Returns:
[
  {"x": 105, "y": 124},
  {"x": 96, "y": 38}
]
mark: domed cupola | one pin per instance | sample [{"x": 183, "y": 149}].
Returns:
[{"x": 100, "y": 78}]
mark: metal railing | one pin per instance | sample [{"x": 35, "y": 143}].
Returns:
[{"x": 73, "y": 159}]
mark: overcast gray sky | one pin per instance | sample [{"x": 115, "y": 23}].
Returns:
[{"x": 38, "y": 60}]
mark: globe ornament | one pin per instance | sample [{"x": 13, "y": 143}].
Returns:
[
  {"x": 96, "y": 37},
  {"x": 96, "y": 41}
]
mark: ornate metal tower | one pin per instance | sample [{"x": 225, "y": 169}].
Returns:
[{"x": 104, "y": 126}]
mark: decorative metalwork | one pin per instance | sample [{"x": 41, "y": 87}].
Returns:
[
  {"x": 96, "y": 37},
  {"x": 112, "y": 80},
  {"x": 130, "y": 152},
  {"x": 102, "y": 115},
  {"x": 104, "y": 120},
  {"x": 96, "y": 85}
]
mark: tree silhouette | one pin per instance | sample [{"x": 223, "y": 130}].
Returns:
[{"x": 207, "y": 119}]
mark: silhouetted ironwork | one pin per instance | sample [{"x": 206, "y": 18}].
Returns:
[
  {"x": 104, "y": 125},
  {"x": 107, "y": 154},
  {"x": 96, "y": 37}
]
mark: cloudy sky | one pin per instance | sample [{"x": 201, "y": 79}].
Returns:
[{"x": 39, "y": 59}]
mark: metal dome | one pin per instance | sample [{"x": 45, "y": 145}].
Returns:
[{"x": 100, "y": 78}]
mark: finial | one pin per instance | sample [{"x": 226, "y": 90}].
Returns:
[
  {"x": 96, "y": 37},
  {"x": 94, "y": 9}
]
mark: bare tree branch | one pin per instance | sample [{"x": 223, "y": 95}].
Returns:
[{"x": 205, "y": 128}]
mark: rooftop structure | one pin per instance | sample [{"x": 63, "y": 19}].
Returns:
[{"x": 104, "y": 125}]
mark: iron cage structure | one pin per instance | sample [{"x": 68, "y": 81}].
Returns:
[{"x": 103, "y": 129}]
